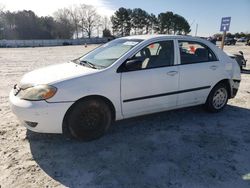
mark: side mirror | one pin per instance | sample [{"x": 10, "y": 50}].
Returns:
[
  {"x": 133, "y": 64},
  {"x": 241, "y": 53},
  {"x": 130, "y": 65}
]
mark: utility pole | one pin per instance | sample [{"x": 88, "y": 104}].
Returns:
[
  {"x": 196, "y": 29},
  {"x": 223, "y": 40}
]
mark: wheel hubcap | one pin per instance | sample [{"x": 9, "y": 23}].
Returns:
[
  {"x": 90, "y": 119},
  {"x": 220, "y": 98}
]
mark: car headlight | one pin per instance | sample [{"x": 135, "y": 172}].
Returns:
[{"x": 37, "y": 93}]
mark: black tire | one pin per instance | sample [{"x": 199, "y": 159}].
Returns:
[
  {"x": 217, "y": 98},
  {"x": 89, "y": 119}
]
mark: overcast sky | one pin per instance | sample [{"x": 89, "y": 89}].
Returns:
[{"x": 207, "y": 14}]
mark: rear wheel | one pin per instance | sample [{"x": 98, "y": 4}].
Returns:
[
  {"x": 217, "y": 98},
  {"x": 89, "y": 119}
]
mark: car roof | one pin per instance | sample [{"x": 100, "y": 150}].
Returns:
[{"x": 157, "y": 36}]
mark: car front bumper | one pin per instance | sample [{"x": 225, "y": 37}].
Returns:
[{"x": 39, "y": 116}]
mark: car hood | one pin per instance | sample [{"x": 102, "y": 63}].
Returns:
[{"x": 55, "y": 73}]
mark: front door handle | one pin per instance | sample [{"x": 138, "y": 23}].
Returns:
[
  {"x": 172, "y": 73},
  {"x": 213, "y": 67}
]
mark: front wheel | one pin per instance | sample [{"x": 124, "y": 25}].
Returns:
[
  {"x": 89, "y": 119},
  {"x": 217, "y": 98}
]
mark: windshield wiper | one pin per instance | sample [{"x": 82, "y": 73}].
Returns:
[{"x": 91, "y": 65}]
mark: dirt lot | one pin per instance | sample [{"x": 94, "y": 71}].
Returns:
[{"x": 187, "y": 148}]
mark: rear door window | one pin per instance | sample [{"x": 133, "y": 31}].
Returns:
[{"x": 195, "y": 52}]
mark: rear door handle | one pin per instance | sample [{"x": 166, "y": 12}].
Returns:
[
  {"x": 172, "y": 73},
  {"x": 213, "y": 67}
]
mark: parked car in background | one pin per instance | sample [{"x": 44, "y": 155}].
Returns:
[
  {"x": 124, "y": 78},
  {"x": 212, "y": 39},
  {"x": 248, "y": 42},
  {"x": 243, "y": 39},
  {"x": 240, "y": 59},
  {"x": 229, "y": 41}
]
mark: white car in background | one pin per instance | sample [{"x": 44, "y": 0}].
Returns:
[{"x": 124, "y": 78}]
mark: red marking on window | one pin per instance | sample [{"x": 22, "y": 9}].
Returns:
[{"x": 192, "y": 49}]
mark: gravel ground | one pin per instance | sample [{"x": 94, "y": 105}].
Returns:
[{"x": 186, "y": 148}]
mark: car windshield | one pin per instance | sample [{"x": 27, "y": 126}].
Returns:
[{"x": 108, "y": 53}]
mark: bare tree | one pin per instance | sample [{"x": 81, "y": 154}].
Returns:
[
  {"x": 65, "y": 27},
  {"x": 74, "y": 13},
  {"x": 106, "y": 23},
  {"x": 62, "y": 14},
  {"x": 2, "y": 7},
  {"x": 106, "y": 26},
  {"x": 89, "y": 19},
  {"x": 84, "y": 19}
]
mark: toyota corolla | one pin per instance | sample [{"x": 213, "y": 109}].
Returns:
[{"x": 124, "y": 78}]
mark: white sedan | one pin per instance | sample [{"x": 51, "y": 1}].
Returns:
[{"x": 126, "y": 77}]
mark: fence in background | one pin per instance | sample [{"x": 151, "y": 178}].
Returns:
[{"x": 51, "y": 42}]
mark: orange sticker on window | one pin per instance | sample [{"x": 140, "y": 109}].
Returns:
[
  {"x": 151, "y": 46},
  {"x": 192, "y": 49}
]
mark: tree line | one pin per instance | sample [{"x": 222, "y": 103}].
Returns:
[
  {"x": 138, "y": 21},
  {"x": 66, "y": 23},
  {"x": 83, "y": 21},
  {"x": 234, "y": 35}
]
